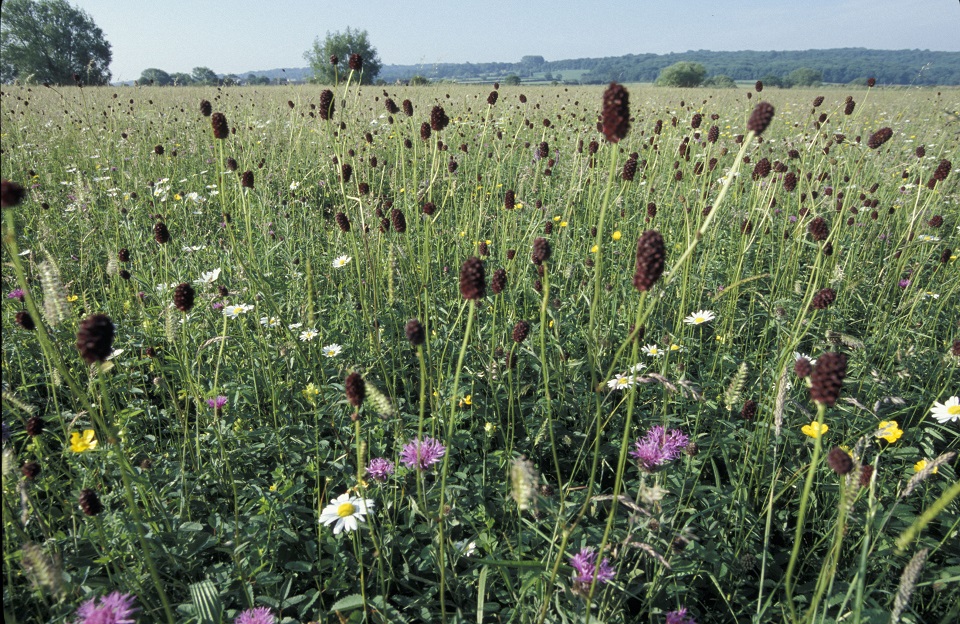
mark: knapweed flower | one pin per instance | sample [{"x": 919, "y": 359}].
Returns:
[
  {"x": 341, "y": 261},
  {"x": 659, "y": 447},
  {"x": 889, "y": 430},
  {"x": 920, "y": 465},
  {"x": 584, "y": 564},
  {"x": 80, "y": 442},
  {"x": 422, "y": 455},
  {"x": 379, "y": 469},
  {"x": 258, "y": 615},
  {"x": 308, "y": 334},
  {"x": 814, "y": 429},
  {"x": 652, "y": 350},
  {"x": 115, "y": 608},
  {"x": 700, "y": 317},
  {"x": 332, "y": 350},
  {"x": 679, "y": 617},
  {"x": 235, "y": 310},
  {"x": 217, "y": 403},
  {"x": 346, "y": 511},
  {"x": 621, "y": 382},
  {"x": 948, "y": 411}
]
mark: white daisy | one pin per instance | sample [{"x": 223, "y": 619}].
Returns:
[
  {"x": 341, "y": 262},
  {"x": 797, "y": 355},
  {"x": 700, "y": 317},
  {"x": 308, "y": 334},
  {"x": 621, "y": 382},
  {"x": 636, "y": 368},
  {"x": 926, "y": 238},
  {"x": 293, "y": 326},
  {"x": 346, "y": 511},
  {"x": 332, "y": 350},
  {"x": 235, "y": 310},
  {"x": 948, "y": 411},
  {"x": 208, "y": 278},
  {"x": 269, "y": 321},
  {"x": 652, "y": 350}
]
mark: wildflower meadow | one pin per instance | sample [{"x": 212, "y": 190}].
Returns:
[{"x": 480, "y": 354}]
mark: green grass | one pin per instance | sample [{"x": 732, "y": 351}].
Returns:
[{"x": 209, "y": 512}]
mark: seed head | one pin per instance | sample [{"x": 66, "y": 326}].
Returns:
[
  {"x": 499, "y": 281},
  {"x": 160, "y": 233},
  {"x": 629, "y": 170},
  {"x": 840, "y": 461},
  {"x": 438, "y": 119},
  {"x": 943, "y": 170},
  {"x": 30, "y": 470},
  {"x": 391, "y": 106},
  {"x": 35, "y": 426},
  {"x": 90, "y": 502},
  {"x": 334, "y": 59},
  {"x": 509, "y": 200},
  {"x": 492, "y": 98},
  {"x": 221, "y": 129},
  {"x": 520, "y": 331},
  {"x": 399, "y": 221},
  {"x": 24, "y": 320},
  {"x": 871, "y": 81},
  {"x": 541, "y": 250},
  {"x": 823, "y": 299},
  {"x": 123, "y": 255},
  {"x": 849, "y": 106},
  {"x": 651, "y": 255},
  {"x": 761, "y": 117},
  {"x": 11, "y": 194},
  {"x": 355, "y": 62},
  {"x": 935, "y": 221},
  {"x": 758, "y": 86},
  {"x": 827, "y": 378},
  {"x": 183, "y": 297},
  {"x": 355, "y": 389},
  {"x": 425, "y": 131},
  {"x": 616, "y": 113},
  {"x": 818, "y": 229},
  {"x": 472, "y": 279},
  {"x": 713, "y": 134},
  {"x": 407, "y": 108},
  {"x": 749, "y": 410},
  {"x": 327, "y": 105},
  {"x": 802, "y": 368},
  {"x": 415, "y": 332},
  {"x": 205, "y": 108},
  {"x": 817, "y": 101},
  {"x": 879, "y": 137},
  {"x": 95, "y": 338},
  {"x": 429, "y": 209}
]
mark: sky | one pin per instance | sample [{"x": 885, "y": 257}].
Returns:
[{"x": 249, "y": 35}]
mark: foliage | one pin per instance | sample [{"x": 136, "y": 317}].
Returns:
[
  {"x": 682, "y": 74},
  {"x": 155, "y": 77},
  {"x": 223, "y": 438},
  {"x": 49, "y": 41},
  {"x": 804, "y": 77},
  {"x": 419, "y": 81},
  {"x": 342, "y": 45},
  {"x": 720, "y": 81},
  {"x": 511, "y": 79},
  {"x": 205, "y": 76}
]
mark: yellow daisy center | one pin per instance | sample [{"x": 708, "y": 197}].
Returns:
[
  {"x": 699, "y": 319},
  {"x": 953, "y": 410},
  {"x": 346, "y": 509}
]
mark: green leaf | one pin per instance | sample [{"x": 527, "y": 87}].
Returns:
[
  {"x": 348, "y": 603},
  {"x": 207, "y": 600}
]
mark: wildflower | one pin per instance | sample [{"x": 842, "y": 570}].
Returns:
[
  {"x": 636, "y": 368},
  {"x": 616, "y": 235},
  {"x": 217, "y": 403},
  {"x": 840, "y": 461},
  {"x": 183, "y": 297},
  {"x": 341, "y": 261},
  {"x": 584, "y": 564},
  {"x": 489, "y": 428},
  {"x": 72, "y": 298},
  {"x": 115, "y": 608},
  {"x": 760, "y": 118},
  {"x": 814, "y": 429},
  {"x": 258, "y": 615},
  {"x": 310, "y": 393},
  {"x": 699, "y": 317},
  {"x": 355, "y": 389},
  {"x": 208, "y": 278},
  {"x": 659, "y": 447},
  {"x": 293, "y": 326},
  {"x": 889, "y": 430},
  {"x": 16, "y": 293},
  {"x": 346, "y": 511},
  {"x": 235, "y": 310},
  {"x": 803, "y": 356},
  {"x": 652, "y": 350},
  {"x": 466, "y": 548},
  {"x": 827, "y": 378},
  {"x": 651, "y": 255},
  {"x": 948, "y": 411},
  {"x": 331, "y": 350},
  {"x": 680, "y": 615},
  {"x": 621, "y": 382},
  {"x": 615, "y": 117},
  {"x": 473, "y": 279},
  {"x": 466, "y": 401},
  {"x": 415, "y": 332},
  {"x": 95, "y": 338},
  {"x": 920, "y": 465},
  {"x": 269, "y": 321},
  {"x": 87, "y": 441},
  {"x": 308, "y": 334},
  {"x": 594, "y": 249},
  {"x": 379, "y": 469},
  {"x": 422, "y": 455}
]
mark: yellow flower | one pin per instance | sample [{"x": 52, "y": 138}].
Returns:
[
  {"x": 519, "y": 205},
  {"x": 466, "y": 401},
  {"x": 595, "y": 249},
  {"x": 814, "y": 430},
  {"x": 310, "y": 393},
  {"x": 72, "y": 298},
  {"x": 563, "y": 224},
  {"x": 616, "y": 235},
  {"x": 490, "y": 428},
  {"x": 83, "y": 442},
  {"x": 273, "y": 488},
  {"x": 557, "y": 218},
  {"x": 920, "y": 465},
  {"x": 462, "y": 234},
  {"x": 890, "y": 431}
]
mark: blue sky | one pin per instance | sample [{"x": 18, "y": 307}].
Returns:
[{"x": 243, "y": 35}]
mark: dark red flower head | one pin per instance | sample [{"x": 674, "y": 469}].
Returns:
[
  {"x": 761, "y": 117},
  {"x": 616, "y": 113}
]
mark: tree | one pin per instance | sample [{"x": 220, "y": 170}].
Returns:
[
  {"x": 342, "y": 45},
  {"x": 720, "y": 81},
  {"x": 205, "y": 76},
  {"x": 154, "y": 76},
  {"x": 181, "y": 79},
  {"x": 682, "y": 74},
  {"x": 51, "y": 41},
  {"x": 804, "y": 77},
  {"x": 419, "y": 81},
  {"x": 512, "y": 80}
]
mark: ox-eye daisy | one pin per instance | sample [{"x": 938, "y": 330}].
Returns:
[
  {"x": 332, "y": 350},
  {"x": 346, "y": 511},
  {"x": 700, "y": 317},
  {"x": 948, "y": 411},
  {"x": 341, "y": 261}
]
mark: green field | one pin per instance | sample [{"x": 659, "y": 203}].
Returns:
[{"x": 194, "y": 467}]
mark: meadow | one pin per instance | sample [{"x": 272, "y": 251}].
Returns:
[{"x": 450, "y": 354}]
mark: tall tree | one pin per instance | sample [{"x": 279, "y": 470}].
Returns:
[
  {"x": 682, "y": 74},
  {"x": 51, "y": 41},
  {"x": 341, "y": 45},
  {"x": 205, "y": 75},
  {"x": 154, "y": 76}
]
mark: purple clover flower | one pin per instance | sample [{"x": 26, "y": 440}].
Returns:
[
  {"x": 217, "y": 403},
  {"x": 16, "y": 293},
  {"x": 585, "y": 563},
  {"x": 258, "y": 615},
  {"x": 115, "y": 608},
  {"x": 680, "y": 617},
  {"x": 379, "y": 469},
  {"x": 903, "y": 283},
  {"x": 659, "y": 447},
  {"x": 422, "y": 455}
]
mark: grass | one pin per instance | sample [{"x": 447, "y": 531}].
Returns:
[{"x": 208, "y": 512}]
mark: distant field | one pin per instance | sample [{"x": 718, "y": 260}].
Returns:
[{"x": 762, "y": 430}]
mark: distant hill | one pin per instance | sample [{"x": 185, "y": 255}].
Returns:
[{"x": 839, "y": 65}]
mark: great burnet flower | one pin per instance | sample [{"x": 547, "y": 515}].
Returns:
[
  {"x": 80, "y": 442},
  {"x": 585, "y": 567},
  {"x": 345, "y": 512},
  {"x": 948, "y": 411},
  {"x": 422, "y": 455},
  {"x": 700, "y": 317},
  {"x": 889, "y": 430},
  {"x": 659, "y": 447},
  {"x": 115, "y": 608}
]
